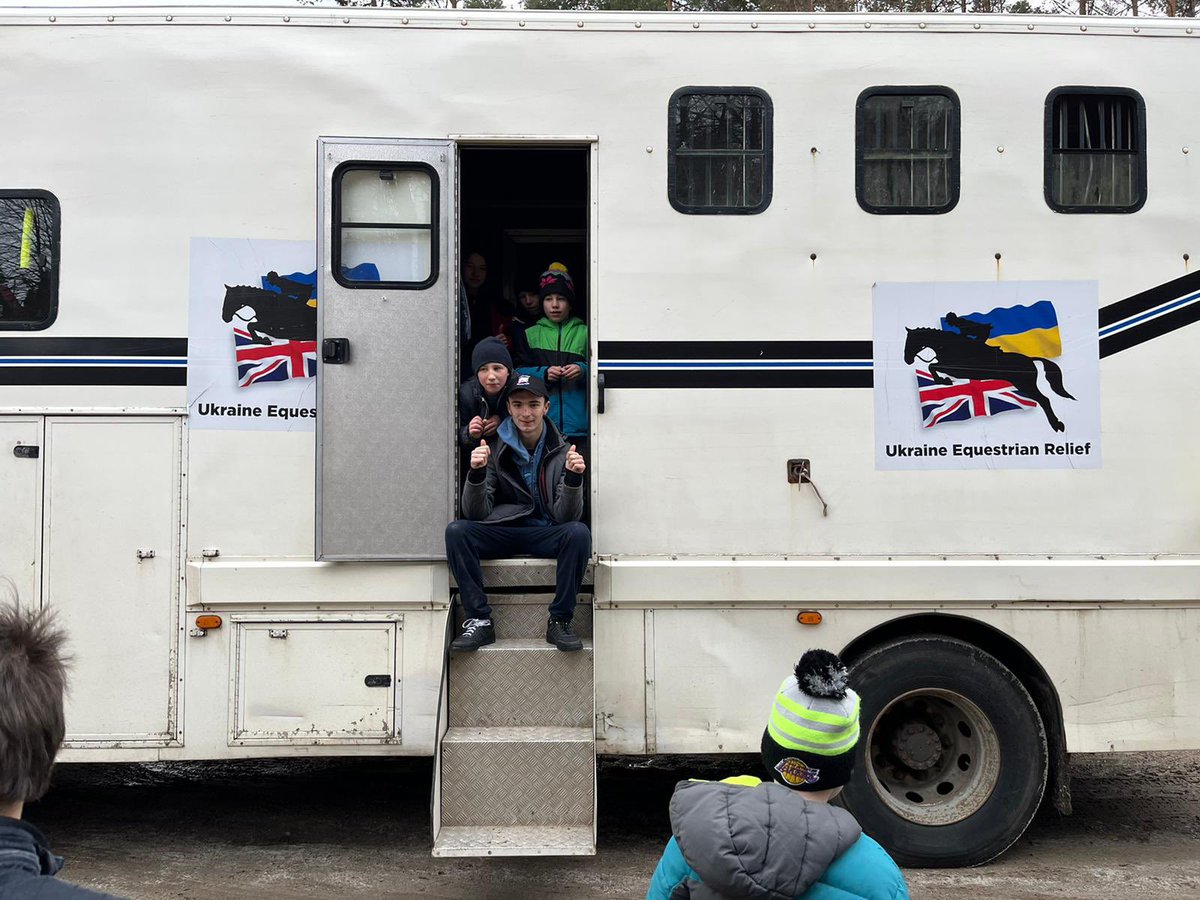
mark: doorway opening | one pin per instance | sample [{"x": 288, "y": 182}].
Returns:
[{"x": 522, "y": 210}]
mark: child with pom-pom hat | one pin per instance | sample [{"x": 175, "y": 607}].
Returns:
[{"x": 746, "y": 838}]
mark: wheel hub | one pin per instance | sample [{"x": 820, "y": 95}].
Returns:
[
  {"x": 917, "y": 745},
  {"x": 935, "y": 757}
]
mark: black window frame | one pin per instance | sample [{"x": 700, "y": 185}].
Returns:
[
  {"x": 923, "y": 90},
  {"x": 55, "y": 257},
  {"x": 336, "y": 224},
  {"x": 1049, "y": 150},
  {"x": 768, "y": 151}
]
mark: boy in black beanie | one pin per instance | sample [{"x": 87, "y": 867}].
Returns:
[{"x": 481, "y": 399}]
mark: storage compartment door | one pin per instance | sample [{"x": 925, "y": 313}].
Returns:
[
  {"x": 112, "y": 572},
  {"x": 21, "y": 489},
  {"x": 314, "y": 682},
  {"x": 386, "y": 382}
]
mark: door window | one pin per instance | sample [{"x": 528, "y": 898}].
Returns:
[{"x": 385, "y": 234}]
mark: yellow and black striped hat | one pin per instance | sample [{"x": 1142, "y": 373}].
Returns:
[{"x": 813, "y": 727}]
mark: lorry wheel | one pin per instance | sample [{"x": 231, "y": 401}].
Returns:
[{"x": 952, "y": 759}]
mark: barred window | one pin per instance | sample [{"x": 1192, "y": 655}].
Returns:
[
  {"x": 1095, "y": 150},
  {"x": 719, "y": 158},
  {"x": 907, "y": 150},
  {"x": 29, "y": 231}
]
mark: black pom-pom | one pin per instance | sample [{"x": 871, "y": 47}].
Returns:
[{"x": 821, "y": 674}]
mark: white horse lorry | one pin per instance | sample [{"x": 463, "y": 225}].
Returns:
[{"x": 888, "y": 320}]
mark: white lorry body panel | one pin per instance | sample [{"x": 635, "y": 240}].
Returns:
[{"x": 157, "y": 127}]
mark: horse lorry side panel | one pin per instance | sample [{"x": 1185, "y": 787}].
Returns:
[{"x": 992, "y": 613}]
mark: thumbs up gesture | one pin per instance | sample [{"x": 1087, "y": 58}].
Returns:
[
  {"x": 575, "y": 462},
  {"x": 480, "y": 455}
]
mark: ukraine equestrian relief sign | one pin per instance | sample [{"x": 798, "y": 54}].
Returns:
[
  {"x": 252, "y": 335},
  {"x": 987, "y": 375}
]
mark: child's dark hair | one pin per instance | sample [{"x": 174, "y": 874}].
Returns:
[{"x": 32, "y": 679}]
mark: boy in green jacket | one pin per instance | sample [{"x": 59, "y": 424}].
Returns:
[{"x": 555, "y": 349}]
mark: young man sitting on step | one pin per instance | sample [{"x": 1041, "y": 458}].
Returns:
[{"x": 525, "y": 497}]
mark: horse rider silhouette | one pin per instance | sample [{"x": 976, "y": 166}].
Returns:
[{"x": 969, "y": 356}]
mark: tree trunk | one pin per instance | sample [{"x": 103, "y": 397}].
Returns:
[{"x": 1171, "y": 8}]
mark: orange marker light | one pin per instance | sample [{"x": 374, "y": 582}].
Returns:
[
  {"x": 208, "y": 621},
  {"x": 808, "y": 617}
]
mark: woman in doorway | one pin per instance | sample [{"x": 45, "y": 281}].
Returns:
[{"x": 481, "y": 313}]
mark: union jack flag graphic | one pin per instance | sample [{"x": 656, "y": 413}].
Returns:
[
  {"x": 967, "y": 399},
  {"x": 277, "y": 361}
]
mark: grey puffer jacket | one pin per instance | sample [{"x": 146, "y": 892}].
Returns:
[
  {"x": 497, "y": 494},
  {"x": 759, "y": 842}
]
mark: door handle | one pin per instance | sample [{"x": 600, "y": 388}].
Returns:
[
  {"x": 335, "y": 351},
  {"x": 27, "y": 451},
  {"x": 600, "y": 394}
]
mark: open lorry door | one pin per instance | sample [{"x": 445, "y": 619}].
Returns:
[{"x": 386, "y": 380}]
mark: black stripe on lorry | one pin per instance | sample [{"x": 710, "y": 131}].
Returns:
[
  {"x": 93, "y": 346},
  {"x": 109, "y": 375}
]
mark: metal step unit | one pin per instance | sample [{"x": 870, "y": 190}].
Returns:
[{"x": 516, "y": 773}]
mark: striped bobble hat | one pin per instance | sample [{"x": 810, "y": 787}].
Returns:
[{"x": 809, "y": 740}]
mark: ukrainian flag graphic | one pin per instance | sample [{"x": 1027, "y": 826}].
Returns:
[{"x": 1028, "y": 330}]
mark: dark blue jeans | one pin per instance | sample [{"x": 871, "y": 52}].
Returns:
[{"x": 468, "y": 542}]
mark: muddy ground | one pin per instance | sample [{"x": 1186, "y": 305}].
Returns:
[{"x": 355, "y": 828}]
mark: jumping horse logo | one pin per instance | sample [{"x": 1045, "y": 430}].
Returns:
[{"x": 967, "y": 354}]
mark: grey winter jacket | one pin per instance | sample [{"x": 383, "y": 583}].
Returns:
[
  {"x": 743, "y": 838},
  {"x": 497, "y": 494},
  {"x": 735, "y": 838}
]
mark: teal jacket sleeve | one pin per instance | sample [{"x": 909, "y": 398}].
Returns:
[{"x": 671, "y": 871}]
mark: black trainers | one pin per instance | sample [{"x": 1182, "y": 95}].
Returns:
[
  {"x": 559, "y": 633},
  {"x": 476, "y": 633}
]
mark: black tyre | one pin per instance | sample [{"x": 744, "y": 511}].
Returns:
[{"x": 952, "y": 759}]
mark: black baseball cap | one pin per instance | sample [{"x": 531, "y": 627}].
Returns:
[{"x": 530, "y": 383}]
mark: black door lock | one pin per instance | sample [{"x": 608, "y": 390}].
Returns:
[{"x": 335, "y": 351}]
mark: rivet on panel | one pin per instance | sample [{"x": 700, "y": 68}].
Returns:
[
  {"x": 579, "y": 24},
  {"x": 170, "y": 18},
  {"x": 866, "y": 24},
  {"x": 813, "y": 257},
  {"x": 521, "y": 23},
  {"x": 977, "y": 26},
  {"x": 921, "y": 25},
  {"x": 1029, "y": 27},
  {"x": 54, "y": 18},
  {"x": 1188, "y": 30},
  {"x": 1000, "y": 149},
  {"x": 753, "y": 24},
  {"x": 1186, "y": 150},
  {"x": 1137, "y": 28},
  {"x": 462, "y": 22},
  {"x": 112, "y": 18},
  {"x": 287, "y": 18},
  {"x": 812, "y": 24},
  {"x": 1186, "y": 257},
  {"x": 346, "y": 20},
  {"x": 1083, "y": 28},
  {"x": 997, "y": 257},
  {"x": 229, "y": 18},
  {"x": 637, "y": 24},
  {"x": 649, "y": 149},
  {"x": 404, "y": 21},
  {"x": 695, "y": 24}
]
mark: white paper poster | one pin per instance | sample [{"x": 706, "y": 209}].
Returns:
[
  {"x": 252, "y": 335},
  {"x": 986, "y": 375}
]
